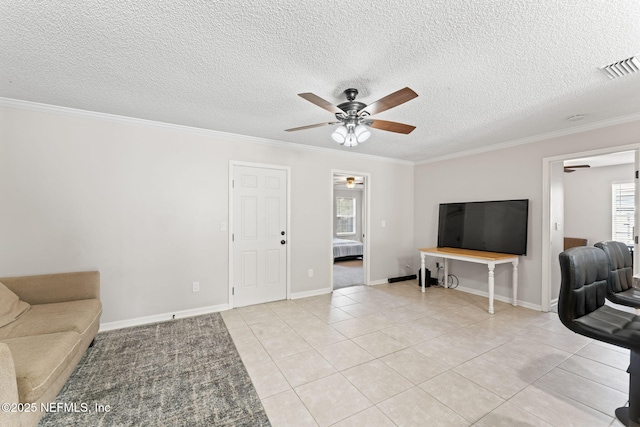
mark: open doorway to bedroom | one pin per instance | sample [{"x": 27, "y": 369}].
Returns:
[
  {"x": 349, "y": 236},
  {"x": 588, "y": 197}
]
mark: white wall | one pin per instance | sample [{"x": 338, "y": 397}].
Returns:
[
  {"x": 509, "y": 173},
  {"x": 587, "y": 201},
  {"x": 143, "y": 204}
]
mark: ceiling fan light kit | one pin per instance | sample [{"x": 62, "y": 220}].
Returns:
[
  {"x": 354, "y": 119},
  {"x": 350, "y": 135},
  {"x": 362, "y": 133},
  {"x": 340, "y": 134}
]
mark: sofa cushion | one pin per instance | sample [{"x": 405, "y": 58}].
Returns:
[
  {"x": 10, "y": 306},
  {"x": 35, "y": 373},
  {"x": 41, "y": 319}
]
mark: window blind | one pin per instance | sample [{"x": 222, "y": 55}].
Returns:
[
  {"x": 623, "y": 202},
  {"x": 345, "y": 215}
]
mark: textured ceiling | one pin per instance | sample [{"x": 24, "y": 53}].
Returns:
[{"x": 486, "y": 72}]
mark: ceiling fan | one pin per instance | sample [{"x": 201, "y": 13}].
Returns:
[
  {"x": 354, "y": 116},
  {"x": 569, "y": 169}
]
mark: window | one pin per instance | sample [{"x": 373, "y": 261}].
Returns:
[
  {"x": 345, "y": 215},
  {"x": 623, "y": 202}
]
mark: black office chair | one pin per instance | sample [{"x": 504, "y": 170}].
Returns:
[
  {"x": 621, "y": 290},
  {"x": 581, "y": 308}
]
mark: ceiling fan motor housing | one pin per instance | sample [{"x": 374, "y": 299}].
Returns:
[
  {"x": 351, "y": 93},
  {"x": 351, "y": 107}
]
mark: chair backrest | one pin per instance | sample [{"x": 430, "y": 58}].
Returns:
[
  {"x": 583, "y": 286},
  {"x": 620, "y": 265}
]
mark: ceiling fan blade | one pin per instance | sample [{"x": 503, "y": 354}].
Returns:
[
  {"x": 322, "y": 103},
  {"x": 392, "y": 100},
  {"x": 317, "y": 125},
  {"x": 569, "y": 169},
  {"x": 391, "y": 126}
]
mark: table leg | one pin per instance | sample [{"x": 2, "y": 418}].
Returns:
[
  {"x": 491, "y": 285},
  {"x": 423, "y": 271},
  {"x": 514, "y": 282},
  {"x": 445, "y": 280}
]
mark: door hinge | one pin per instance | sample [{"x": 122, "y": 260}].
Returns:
[
  {"x": 636, "y": 240},
  {"x": 233, "y": 183},
  {"x": 636, "y": 174},
  {"x": 233, "y": 291},
  {"x": 233, "y": 237}
]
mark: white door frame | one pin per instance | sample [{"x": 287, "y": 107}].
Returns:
[
  {"x": 232, "y": 165},
  {"x": 366, "y": 227},
  {"x": 547, "y": 225}
]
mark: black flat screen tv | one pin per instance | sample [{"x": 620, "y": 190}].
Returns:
[{"x": 495, "y": 226}]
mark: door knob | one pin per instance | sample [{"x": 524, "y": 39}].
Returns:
[{"x": 282, "y": 242}]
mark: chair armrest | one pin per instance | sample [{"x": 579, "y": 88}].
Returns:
[
  {"x": 8, "y": 387},
  {"x": 51, "y": 288}
]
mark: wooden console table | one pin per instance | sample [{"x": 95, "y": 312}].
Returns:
[{"x": 488, "y": 258}]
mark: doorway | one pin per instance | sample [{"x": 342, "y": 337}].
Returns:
[
  {"x": 555, "y": 199},
  {"x": 259, "y": 234},
  {"x": 349, "y": 238}
]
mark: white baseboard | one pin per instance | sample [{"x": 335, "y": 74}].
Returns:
[
  {"x": 109, "y": 326},
  {"x": 298, "y": 295},
  {"x": 524, "y": 304},
  {"x": 554, "y": 303},
  {"x": 379, "y": 282}
]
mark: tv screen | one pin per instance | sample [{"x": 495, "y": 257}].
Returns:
[{"x": 495, "y": 226}]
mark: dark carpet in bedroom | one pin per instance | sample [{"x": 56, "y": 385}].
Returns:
[
  {"x": 184, "y": 372},
  {"x": 347, "y": 273}
]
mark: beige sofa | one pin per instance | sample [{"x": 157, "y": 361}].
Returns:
[{"x": 46, "y": 324}]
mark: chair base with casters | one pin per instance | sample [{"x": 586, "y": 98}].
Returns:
[{"x": 582, "y": 309}]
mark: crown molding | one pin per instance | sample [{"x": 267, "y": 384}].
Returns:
[
  {"x": 536, "y": 138},
  {"x": 74, "y": 112}
]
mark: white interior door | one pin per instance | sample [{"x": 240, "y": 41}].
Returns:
[{"x": 259, "y": 235}]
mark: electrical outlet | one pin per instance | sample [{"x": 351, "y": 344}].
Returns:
[
  {"x": 311, "y": 272},
  {"x": 196, "y": 286}
]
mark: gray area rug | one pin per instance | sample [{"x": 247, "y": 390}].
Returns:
[
  {"x": 347, "y": 273},
  {"x": 184, "y": 372}
]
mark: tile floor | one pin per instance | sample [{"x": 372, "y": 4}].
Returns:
[{"x": 390, "y": 355}]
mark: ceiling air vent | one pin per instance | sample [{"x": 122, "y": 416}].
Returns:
[{"x": 622, "y": 68}]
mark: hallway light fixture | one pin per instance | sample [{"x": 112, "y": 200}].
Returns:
[{"x": 351, "y": 182}]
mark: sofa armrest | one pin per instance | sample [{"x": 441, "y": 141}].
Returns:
[
  {"x": 51, "y": 288},
  {"x": 8, "y": 386}
]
